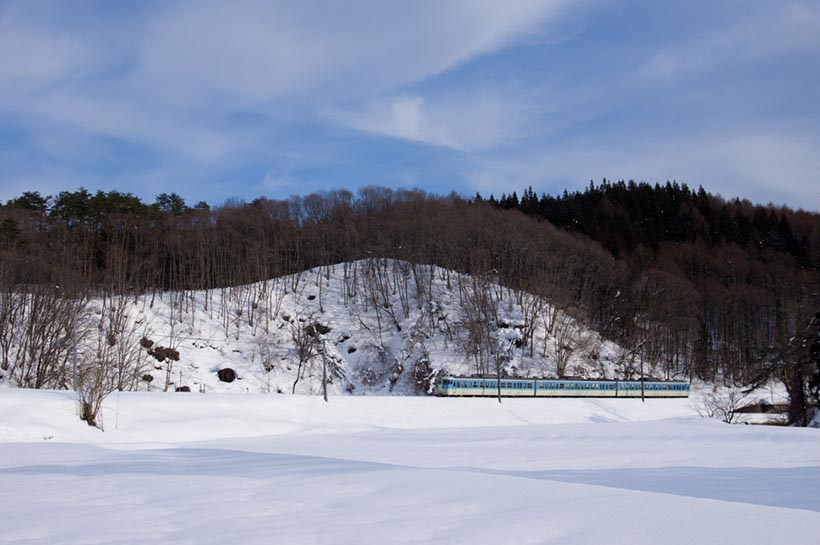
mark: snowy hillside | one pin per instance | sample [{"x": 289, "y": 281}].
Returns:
[{"x": 379, "y": 326}]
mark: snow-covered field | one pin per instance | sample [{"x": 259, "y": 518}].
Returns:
[{"x": 232, "y": 468}]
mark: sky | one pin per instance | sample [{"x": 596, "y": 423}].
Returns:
[{"x": 218, "y": 100}]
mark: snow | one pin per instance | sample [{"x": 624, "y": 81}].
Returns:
[
  {"x": 243, "y": 464},
  {"x": 385, "y": 316},
  {"x": 256, "y": 468}
]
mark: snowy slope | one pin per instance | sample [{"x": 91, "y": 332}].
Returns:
[
  {"x": 383, "y": 318},
  {"x": 247, "y": 469}
]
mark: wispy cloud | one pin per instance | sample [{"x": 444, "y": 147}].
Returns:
[
  {"x": 208, "y": 96},
  {"x": 467, "y": 121},
  {"x": 194, "y": 65},
  {"x": 758, "y": 32},
  {"x": 255, "y": 52}
]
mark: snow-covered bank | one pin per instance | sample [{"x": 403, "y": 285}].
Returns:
[
  {"x": 175, "y": 418},
  {"x": 248, "y": 469}
]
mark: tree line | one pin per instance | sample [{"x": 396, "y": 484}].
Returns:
[
  {"x": 685, "y": 281},
  {"x": 741, "y": 280}
]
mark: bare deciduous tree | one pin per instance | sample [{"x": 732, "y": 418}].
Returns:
[{"x": 722, "y": 405}]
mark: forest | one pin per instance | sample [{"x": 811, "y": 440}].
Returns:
[{"x": 713, "y": 289}]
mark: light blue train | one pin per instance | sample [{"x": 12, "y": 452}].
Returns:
[{"x": 450, "y": 386}]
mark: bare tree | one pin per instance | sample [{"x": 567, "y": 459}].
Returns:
[
  {"x": 722, "y": 405},
  {"x": 480, "y": 310},
  {"x": 265, "y": 349},
  {"x": 569, "y": 337},
  {"x": 304, "y": 337},
  {"x": 114, "y": 363}
]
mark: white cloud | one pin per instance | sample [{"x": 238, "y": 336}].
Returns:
[
  {"x": 188, "y": 66},
  {"x": 767, "y": 31},
  {"x": 253, "y": 52},
  {"x": 204, "y": 84},
  {"x": 469, "y": 121}
]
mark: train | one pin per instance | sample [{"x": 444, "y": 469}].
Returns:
[{"x": 454, "y": 386}]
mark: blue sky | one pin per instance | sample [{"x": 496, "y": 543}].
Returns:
[{"x": 216, "y": 100}]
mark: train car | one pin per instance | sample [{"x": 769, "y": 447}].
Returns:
[
  {"x": 451, "y": 386},
  {"x": 653, "y": 388}
]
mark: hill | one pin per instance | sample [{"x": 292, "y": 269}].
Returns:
[{"x": 377, "y": 326}]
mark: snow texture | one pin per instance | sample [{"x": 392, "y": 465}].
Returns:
[
  {"x": 248, "y": 469},
  {"x": 377, "y": 325}
]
